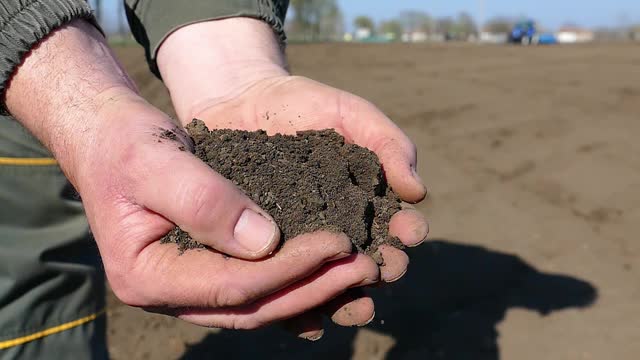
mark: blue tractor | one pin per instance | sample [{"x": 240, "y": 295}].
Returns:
[{"x": 525, "y": 33}]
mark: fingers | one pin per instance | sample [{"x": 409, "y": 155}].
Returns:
[
  {"x": 395, "y": 263},
  {"x": 209, "y": 207},
  {"x": 307, "y": 326},
  {"x": 353, "y": 308},
  {"x": 367, "y": 126},
  {"x": 206, "y": 279},
  {"x": 332, "y": 280},
  {"x": 410, "y": 226}
]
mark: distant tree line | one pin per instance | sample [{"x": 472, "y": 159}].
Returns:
[
  {"x": 499, "y": 25},
  {"x": 460, "y": 27},
  {"x": 315, "y": 20},
  {"x": 322, "y": 20}
]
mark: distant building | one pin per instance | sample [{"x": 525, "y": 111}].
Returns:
[
  {"x": 422, "y": 36},
  {"x": 362, "y": 34},
  {"x": 365, "y": 35},
  {"x": 573, "y": 35},
  {"x": 415, "y": 36}
]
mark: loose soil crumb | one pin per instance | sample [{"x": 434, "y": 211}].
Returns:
[
  {"x": 307, "y": 182},
  {"x": 168, "y": 135}
]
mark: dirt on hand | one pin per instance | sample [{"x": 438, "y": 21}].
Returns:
[{"x": 309, "y": 182}]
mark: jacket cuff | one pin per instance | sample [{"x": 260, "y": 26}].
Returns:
[
  {"x": 153, "y": 21},
  {"x": 26, "y": 24}
]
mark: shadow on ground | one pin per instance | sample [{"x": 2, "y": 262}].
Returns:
[{"x": 446, "y": 307}]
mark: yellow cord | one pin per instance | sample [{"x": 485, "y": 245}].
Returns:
[
  {"x": 28, "y": 161},
  {"x": 50, "y": 331}
]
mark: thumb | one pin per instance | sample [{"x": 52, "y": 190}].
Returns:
[{"x": 203, "y": 203}]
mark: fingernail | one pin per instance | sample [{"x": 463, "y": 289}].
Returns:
[
  {"x": 254, "y": 231},
  {"x": 368, "y": 321},
  {"x": 314, "y": 336},
  {"x": 398, "y": 277},
  {"x": 421, "y": 232}
]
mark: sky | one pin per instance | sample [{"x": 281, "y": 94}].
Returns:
[{"x": 550, "y": 13}]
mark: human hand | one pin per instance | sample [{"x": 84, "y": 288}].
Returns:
[
  {"x": 131, "y": 165},
  {"x": 252, "y": 91}
]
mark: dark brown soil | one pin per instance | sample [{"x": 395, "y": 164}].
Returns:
[{"x": 307, "y": 182}]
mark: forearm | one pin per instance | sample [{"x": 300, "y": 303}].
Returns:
[
  {"x": 25, "y": 23},
  {"x": 213, "y": 61},
  {"x": 62, "y": 85},
  {"x": 152, "y": 21}
]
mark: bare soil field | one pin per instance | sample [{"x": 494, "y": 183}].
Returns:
[{"x": 533, "y": 163}]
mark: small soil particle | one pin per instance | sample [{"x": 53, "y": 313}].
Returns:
[
  {"x": 168, "y": 134},
  {"x": 308, "y": 182}
]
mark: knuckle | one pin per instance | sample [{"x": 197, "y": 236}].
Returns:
[{"x": 199, "y": 202}]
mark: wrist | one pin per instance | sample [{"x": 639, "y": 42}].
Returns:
[
  {"x": 207, "y": 63},
  {"x": 90, "y": 135},
  {"x": 62, "y": 85}
]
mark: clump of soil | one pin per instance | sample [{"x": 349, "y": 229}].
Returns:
[{"x": 307, "y": 182}]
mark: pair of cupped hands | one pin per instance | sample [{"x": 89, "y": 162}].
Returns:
[{"x": 136, "y": 189}]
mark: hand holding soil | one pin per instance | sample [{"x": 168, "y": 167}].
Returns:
[
  {"x": 249, "y": 88},
  {"x": 128, "y": 162},
  {"x": 136, "y": 185},
  {"x": 289, "y": 104}
]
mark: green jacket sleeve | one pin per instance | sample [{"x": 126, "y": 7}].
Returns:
[
  {"x": 152, "y": 21},
  {"x": 23, "y": 23}
]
